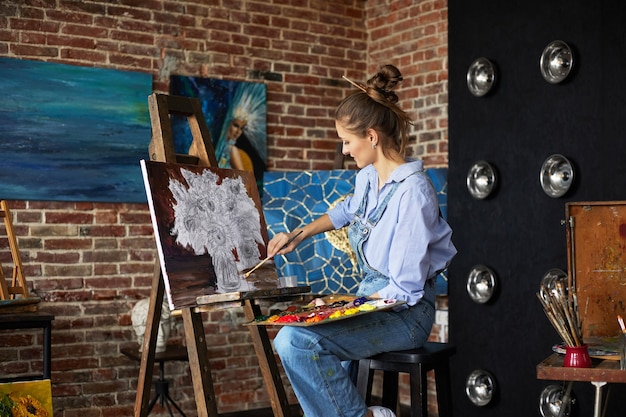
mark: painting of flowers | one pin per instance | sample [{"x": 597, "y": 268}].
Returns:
[
  {"x": 209, "y": 229},
  {"x": 26, "y": 399}
]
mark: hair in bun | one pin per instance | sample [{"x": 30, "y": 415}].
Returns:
[
  {"x": 381, "y": 86},
  {"x": 375, "y": 107}
]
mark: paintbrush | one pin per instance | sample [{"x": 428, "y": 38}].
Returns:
[
  {"x": 257, "y": 266},
  {"x": 359, "y": 86},
  {"x": 620, "y": 320},
  {"x": 561, "y": 308}
]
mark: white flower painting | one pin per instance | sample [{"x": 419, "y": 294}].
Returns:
[
  {"x": 209, "y": 228},
  {"x": 219, "y": 219}
]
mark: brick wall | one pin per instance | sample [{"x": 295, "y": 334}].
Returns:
[
  {"x": 91, "y": 262},
  {"x": 413, "y": 35}
]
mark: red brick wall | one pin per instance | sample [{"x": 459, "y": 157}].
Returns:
[
  {"x": 413, "y": 35},
  {"x": 91, "y": 262}
]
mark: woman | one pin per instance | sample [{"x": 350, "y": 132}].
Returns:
[
  {"x": 242, "y": 141},
  {"x": 401, "y": 243},
  {"x": 230, "y": 157}
]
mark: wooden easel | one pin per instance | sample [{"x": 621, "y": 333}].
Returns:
[
  {"x": 161, "y": 146},
  {"x": 201, "y": 153},
  {"x": 18, "y": 283}
]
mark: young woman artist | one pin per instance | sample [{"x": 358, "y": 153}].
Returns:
[{"x": 401, "y": 243}]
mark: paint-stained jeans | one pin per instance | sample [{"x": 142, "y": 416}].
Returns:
[{"x": 312, "y": 356}]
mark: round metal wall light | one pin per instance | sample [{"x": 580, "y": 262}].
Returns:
[
  {"x": 556, "y": 176},
  {"x": 552, "y": 399},
  {"x": 481, "y": 180},
  {"x": 481, "y": 77},
  {"x": 480, "y": 387},
  {"x": 481, "y": 284},
  {"x": 551, "y": 277},
  {"x": 556, "y": 62}
]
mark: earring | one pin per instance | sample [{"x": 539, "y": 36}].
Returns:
[{"x": 373, "y": 146}]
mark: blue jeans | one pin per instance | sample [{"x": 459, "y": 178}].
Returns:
[{"x": 312, "y": 356}]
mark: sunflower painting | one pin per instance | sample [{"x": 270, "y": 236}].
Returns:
[{"x": 26, "y": 399}]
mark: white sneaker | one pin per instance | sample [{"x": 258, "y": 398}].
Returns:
[{"x": 381, "y": 411}]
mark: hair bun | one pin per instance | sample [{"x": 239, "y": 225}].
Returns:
[{"x": 384, "y": 82}]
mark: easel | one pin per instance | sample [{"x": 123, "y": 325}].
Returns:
[
  {"x": 201, "y": 153},
  {"x": 161, "y": 149},
  {"x": 18, "y": 283},
  {"x": 14, "y": 297}
]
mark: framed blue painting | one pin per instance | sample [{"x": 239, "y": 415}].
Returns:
[
  {"x": 70, "y": 133},
  {"x": 236, "y": 116}
]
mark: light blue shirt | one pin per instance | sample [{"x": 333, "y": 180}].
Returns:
[{"x": 411, "y": 241}]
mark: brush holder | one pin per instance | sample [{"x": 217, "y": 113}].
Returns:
[{"x": 577, "y": 357}]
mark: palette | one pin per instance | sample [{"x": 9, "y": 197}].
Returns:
[{"x": 325, "y": 309}]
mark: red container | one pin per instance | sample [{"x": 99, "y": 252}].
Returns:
[{"x": 577, "y": 357}]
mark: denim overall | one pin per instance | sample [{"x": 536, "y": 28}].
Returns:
[{"x": 358, "y": 233}]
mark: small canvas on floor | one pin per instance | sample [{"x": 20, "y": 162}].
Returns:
[
  {"x": 209, "y": 229},
  {"x": 26, "y": 398}
]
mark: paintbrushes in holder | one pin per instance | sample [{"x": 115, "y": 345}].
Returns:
[
  {"x": 561, "y": 307},
  {"x": 257, "y": 266}
]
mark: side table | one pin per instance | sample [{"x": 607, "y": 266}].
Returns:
[
  {"x": 601, "y": 373},
  {"x": 34, "y": 320},
  {"x": 161, "y": 386}
]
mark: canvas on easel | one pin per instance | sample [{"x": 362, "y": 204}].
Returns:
[{"x": 209, "y": 229}]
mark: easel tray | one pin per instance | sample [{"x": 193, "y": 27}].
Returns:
[
  {"x": 325, "y": 309},
  {"x": 19, "y": 305}
]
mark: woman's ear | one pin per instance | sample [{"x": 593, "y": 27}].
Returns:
[{"x": 372, "y": 136}]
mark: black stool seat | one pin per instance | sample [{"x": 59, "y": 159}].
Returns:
[{"x": 417, "y": 363}]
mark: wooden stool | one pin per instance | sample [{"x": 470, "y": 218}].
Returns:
[{"x": 415, "y": 362}]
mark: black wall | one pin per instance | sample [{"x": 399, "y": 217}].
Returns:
[{"x": 517, "y": 231}]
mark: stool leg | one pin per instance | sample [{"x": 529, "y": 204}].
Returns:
[
  {"x": 364, "y": 380},
  {"x": 390, "y": 390},
  {"x": 419, "y": 391},
  {"x": 175, "y": 406},
  {"x": 444, "y": 389}
]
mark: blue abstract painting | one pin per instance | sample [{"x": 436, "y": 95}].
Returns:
[
  {"x": 70, "y": 133},
  {"x": 325, "y": 262}
]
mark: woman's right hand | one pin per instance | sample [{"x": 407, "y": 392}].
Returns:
[{"x": 276, "y": 246}]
